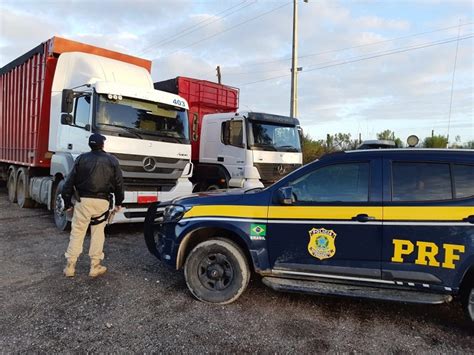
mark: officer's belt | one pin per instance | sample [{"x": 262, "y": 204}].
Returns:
[{"x": 100, "y": 219}]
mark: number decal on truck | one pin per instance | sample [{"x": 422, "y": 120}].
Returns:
[{"x": 178, "y": 102}]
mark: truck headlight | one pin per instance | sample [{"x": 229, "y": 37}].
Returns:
[{"x": 174, "y": 213}]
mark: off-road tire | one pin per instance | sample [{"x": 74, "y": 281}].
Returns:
[
  {"x": 468, "y": 302},
  {"x": 221, "y": 256}
]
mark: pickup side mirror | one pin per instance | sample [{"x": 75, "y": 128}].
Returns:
[
  {"x": 67, "y": 101},
  {"x": 285, "y": 195},
  {"x": 66, "y": 119}
]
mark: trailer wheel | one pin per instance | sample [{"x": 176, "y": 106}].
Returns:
[
  {"x": 216, "y": 271},
  {"x": 11, "y": 185},
  {"x": 60, "y": 217},
  {"x": 23, "y": 189}
]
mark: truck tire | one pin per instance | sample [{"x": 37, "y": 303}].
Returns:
[
  {"x": 11, "y": 185},
  {"x": 216, "y": 271},
  {"x": 23, "y": 189},
  {"x": 60, "y": 217}
]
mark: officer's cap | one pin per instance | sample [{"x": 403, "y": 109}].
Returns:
[{"x": 96, "y": 139}]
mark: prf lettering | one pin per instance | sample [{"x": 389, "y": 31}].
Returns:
[{"x": 426, "y": 253}]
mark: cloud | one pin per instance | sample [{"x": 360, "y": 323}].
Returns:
[{"x": 396, "y": 91}]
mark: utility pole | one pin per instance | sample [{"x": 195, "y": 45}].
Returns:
[
  {"x": 218, "y": 69},
  {"x": 294, "y": 63}
]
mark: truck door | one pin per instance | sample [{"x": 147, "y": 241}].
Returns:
[
  {"x": 427, "y": 234},
  {"x": 78, "y": 133},
  {"x": 334, "y": 227},
  {"x": 232, "y": 154}
]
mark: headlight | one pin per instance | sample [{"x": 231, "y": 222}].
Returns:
[{"x": 174, "y": 213}]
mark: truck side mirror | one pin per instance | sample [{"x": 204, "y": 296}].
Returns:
[
  {"x": 300, "y": 133},
  {"x": 285, "y": 195},
  {"x": 66, "y": 119},
  {"x": 67, "y": 101}
]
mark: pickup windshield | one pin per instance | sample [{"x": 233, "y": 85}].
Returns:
[
  {"x": 142, "y": 119},
  {"x": 274, "y": 137}
]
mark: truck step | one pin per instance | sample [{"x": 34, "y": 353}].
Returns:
[{"x": 331, "y": 289}]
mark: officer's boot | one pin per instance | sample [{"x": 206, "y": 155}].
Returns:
[
  {"x": 96, "y": 268},
  {"x": 70, "y": 268}
]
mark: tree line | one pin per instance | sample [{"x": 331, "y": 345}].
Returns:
[{"x": 313, "y": 149}]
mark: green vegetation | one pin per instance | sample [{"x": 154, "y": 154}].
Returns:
[{"x": 313, "y": 149}]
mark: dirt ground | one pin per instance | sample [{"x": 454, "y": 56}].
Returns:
[{"x": 142, "y": 306}]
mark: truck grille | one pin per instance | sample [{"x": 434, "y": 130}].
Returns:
[
  {"x": 150, "y": 173},
  {"x": 270, "y": 172}
]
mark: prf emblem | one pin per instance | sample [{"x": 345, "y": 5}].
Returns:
[{"x": 321, "y": 243}]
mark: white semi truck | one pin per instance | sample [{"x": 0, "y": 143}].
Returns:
[
  {"x": 233, "y": 148},
  {"x": 55, "y": 96}
]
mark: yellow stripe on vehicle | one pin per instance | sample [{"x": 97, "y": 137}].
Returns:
[
  {"x": 228, "y": 211},
  {"x": 431, "y": 213},
  {"x": 323, "y": 212},
  {"x": 398, "y": 213}
]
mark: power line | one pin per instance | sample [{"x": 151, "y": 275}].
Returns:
[
  {"x": 228, "y": 29},
  {"x": 359, "y": 59},
  {"x": 197, "y": 26},
  {"x": 338, "y": 60},
  {"x": 357, "y": 46}
]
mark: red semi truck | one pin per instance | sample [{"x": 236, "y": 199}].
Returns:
[
  {"x": 53, "y": 97},
  {"x": 233, "y": 148}
]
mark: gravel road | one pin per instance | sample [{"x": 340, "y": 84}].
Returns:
[{"x": 142, "y": 306}]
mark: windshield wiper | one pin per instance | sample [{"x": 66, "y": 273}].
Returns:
[
  {"x": 262, "y": 145},
  {"x": 289, "y": 148},
  {"x": 157, "y": 134},
  {"x": 125, "y": 128}
]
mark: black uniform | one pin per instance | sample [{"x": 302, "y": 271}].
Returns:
[{"x": 95, "y": 174}]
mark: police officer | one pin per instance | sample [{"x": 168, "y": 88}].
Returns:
[{"x": 94, "y": 177}]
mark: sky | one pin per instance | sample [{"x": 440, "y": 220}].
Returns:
[{"x": 367, "y": 65}]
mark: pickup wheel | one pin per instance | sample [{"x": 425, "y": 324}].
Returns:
[
  {"x": 60, "y": 217},
  {"x": 468, "y": 303},
  {"x": 216, "y": 271},
  {"x": 11, "y": 185}
]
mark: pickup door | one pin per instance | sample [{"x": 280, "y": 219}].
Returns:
[
  {"x": 334, "y": 228},
  {"x": 427, "y": 236}
]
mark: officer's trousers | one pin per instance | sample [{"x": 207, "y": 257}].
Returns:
[{"x": 83, "y": 212}]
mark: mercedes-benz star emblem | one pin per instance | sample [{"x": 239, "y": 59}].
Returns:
[
  {"x": 149, "y": 164},
  {"x": 281, "y": 169}
]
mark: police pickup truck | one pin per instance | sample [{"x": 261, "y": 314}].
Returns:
[{"x": 389, "y": 224}]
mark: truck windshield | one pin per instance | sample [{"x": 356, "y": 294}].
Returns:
[
  {"x": 274, "y": 137},
  {"x": 142, "y": 119}
]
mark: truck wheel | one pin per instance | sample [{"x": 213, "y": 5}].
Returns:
[
  {"x": 216, "y": 271},
  {"x": 213, "y": 187},
  {"x": 11, "y": 185},
  {"x": 468, "y": 303},
  {"x": 23, "y": 189},
  {"x": 60, "y": 217}
]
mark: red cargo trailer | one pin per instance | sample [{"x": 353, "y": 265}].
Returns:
[
  {"x": 25, "y": 99},
  {"x": 204, "y": 97}
]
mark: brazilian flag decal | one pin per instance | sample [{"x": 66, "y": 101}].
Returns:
[{"x": 258, "y": 230}]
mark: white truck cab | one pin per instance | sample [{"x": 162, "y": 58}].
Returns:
[
  {"x": 145, "y": 129},
  {"x": 255, "y": 149}
]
